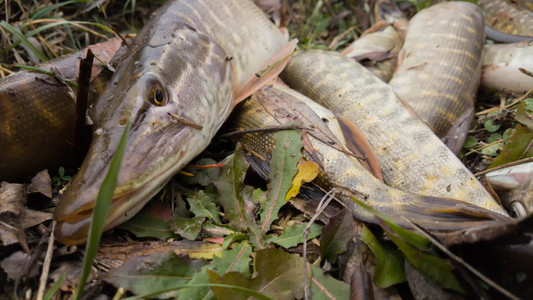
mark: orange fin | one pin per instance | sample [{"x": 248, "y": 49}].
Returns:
[
  {"x": 356, "y": 142},
  {"x": 273, "y": 67}
]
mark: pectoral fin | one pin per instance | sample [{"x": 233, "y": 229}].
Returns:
[{"x": 267, "y": 73}]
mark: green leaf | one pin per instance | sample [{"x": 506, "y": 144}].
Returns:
[
  {"x": 519, "y": 146},
  {"x": 492, "y": 150},
  {"x": 336, "y": 235},
  {"x": 436, "y": 269},
  {"x": 101, "y": 210},
  {"x": 325, "y": 287},
  {"x": 158, "y": 272},
  {"x": 523, "y": 115},
  {"x": 292, "y": 236},
  {"x": 188, "y": 228},
  {"x": 389, "y": 266},
  {"x": 490, "y": 126},
  {"x": 229, "y": 187},
  {"x": 470, "y": 142},
  {"x": 507, "y": 134},
  {"x": 203, "y": 205},
  {"x": 528, "y": 104},
  {"x": 494, "y": 138},
  {"x": 218, "y": 230},
  {"x": 285, "y": 156},
  {"x": 235, "y": 260},
  {"x": 278, "y": 275}
]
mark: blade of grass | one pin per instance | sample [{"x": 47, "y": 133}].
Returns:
[
  {"x": 53, "y": 289},
  {"x": 101, "y": 211},
  {"x": 43, "y": 12},
  {"x": 23, "y": 39}
]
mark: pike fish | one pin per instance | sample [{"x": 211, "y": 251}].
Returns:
[
  {"x": 175, "y": 85},
  {"x": 38, "y": 113},
  {"x": 411, "y": 157},
  {"x": 332, "y": 137},
  {"x": 378, "y": 47},
  {"x": 439, "y": 68},
  {"x": 508, "y": 66},
  {"x": 509, "y": 17}
]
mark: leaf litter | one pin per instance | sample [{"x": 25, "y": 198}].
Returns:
[{"x": 237, "y": 251}]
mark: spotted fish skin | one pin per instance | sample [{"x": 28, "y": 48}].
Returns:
[
  {"x": 176, "y": 86},
  {"x": 439, "y": 68},
  {"x": 412, "y": 158},
  {"x": 508, "y": 17},
  {"x": 505, "y": 66}
]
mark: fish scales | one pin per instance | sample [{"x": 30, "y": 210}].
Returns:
[
  {"x": 439, "y": 68},
  {"x": 340, "y": 169},
  {"x": 176, "y": 86},
  {"x": 412, "y": 158},
  {"x": 508, "y": 17}
]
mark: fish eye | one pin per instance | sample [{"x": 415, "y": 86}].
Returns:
[{"x": 157, "y": 95}]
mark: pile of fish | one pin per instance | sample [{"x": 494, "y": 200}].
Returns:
[{"x": 192, "y": 64}]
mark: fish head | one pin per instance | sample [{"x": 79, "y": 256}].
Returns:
[{"x": 175, "y": 87}]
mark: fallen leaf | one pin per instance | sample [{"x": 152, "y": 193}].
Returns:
[
  {"x": 234, "y": 260},
  {"x": 423, "y": 288},
  {"x": 336, "y": 235},
  {"x": 293, "y": 235},
  {"x": 14, "y": 266},
  {"x": 326, "y": 287},
  {"x": 202, "y": 176},
  {"x": 41, "y": 183},
  {"x": 155, "y": 276},
  {"x": 277, "y": 275},
  {"x": 13, "y": 198},
  {"x": 307, "y": 172},
  {"x": 203, "y": 205},
  {"x": 188, "y": 228},
  {"x": 519, "y": 146}
]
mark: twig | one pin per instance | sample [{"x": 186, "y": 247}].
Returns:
[
  {"x": 514, "y": 163},
  {"x": 46, "y": 263},
  {"x": 462, "y": 262},
  {"x": 486, "y": 111},
  {"x": 324, "y": 202}
]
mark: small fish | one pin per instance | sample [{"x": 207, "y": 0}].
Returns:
[
  {"x": 38, "y": 113},
  {"x": 439, "y": 68},
  {"x": 176, "y": 85},
  {"x": 508, "y": 66},
  {"x": 411, "y": 157},
  {"x": 515, "y": 187},
  {"x": 331, "y": 138}
]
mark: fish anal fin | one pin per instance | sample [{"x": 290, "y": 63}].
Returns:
[
  {"x": 356, "y": 142},
  {"x": 273, "y": 67}
]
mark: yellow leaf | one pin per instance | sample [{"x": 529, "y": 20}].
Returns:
[
  {"x": 204, "y": 250},
  {"x": 307, "y": 171}
]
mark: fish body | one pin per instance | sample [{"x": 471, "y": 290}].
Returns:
[
  {"x": 439, "y": 68},
  {"x": 508, "y": 16},
  {"x": 378, "y": 47},
  {"x": 38, "y": 114},
  {"x": 508, "y": 66},
  {"x": 412, "y": 158},
  {"x": 330, "y": 136},
  {"x": 175, "y": 85}
]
